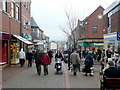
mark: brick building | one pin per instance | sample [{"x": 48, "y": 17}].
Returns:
[
  {"x": 90, "y": 31},
  {"x": 112, "y": 26},
  {"x": 37, "y": 35},
  {"x": 10, "y": 30}
]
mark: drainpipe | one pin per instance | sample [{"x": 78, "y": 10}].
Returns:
[{"x": 20, "y": 22}]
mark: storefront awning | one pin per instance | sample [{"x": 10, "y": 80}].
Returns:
[{"x": 23, "y": 40}]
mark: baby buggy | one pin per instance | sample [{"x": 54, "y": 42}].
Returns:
[{"x": 58, "y": 66}]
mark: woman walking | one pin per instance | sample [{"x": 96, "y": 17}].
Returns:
[{"x": 46, "y": 61}]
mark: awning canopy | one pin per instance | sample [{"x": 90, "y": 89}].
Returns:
[{"x": 23, "y": 40}]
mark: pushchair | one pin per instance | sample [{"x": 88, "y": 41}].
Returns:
[{"x": 58, "y": 66}]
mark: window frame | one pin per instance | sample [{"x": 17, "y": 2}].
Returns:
[
  {"x": 95, "y": 28},
  {"x": 17, "y": 12},
  {"x": 4, "y": 5},
  {"x": 12, "y": 9}
]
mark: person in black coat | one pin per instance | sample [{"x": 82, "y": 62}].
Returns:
[
  {"x": 109, "y": 54},
  {"x": 50, "y": 53},
  {"x": 112, "y": 71},
  {"x": 88, "y": 63},
  {"x": 99, "y": 52},
  {"x": 30, "y": 58},
  {"x": 38, "y": 61}
]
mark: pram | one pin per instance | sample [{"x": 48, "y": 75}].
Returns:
[{"x": 58, "y": 66}]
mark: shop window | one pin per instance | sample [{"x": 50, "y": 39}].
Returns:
[{"x": 4, "y": 6}]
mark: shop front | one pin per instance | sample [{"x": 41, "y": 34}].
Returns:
[
  {"x": 15, "y": 47},
  {"x": 29, "y": 38},
  {"x": 90, "y": 45},
  {"x": 112, "y": 41}
]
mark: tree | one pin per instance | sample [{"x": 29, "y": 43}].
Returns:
[{"x": 71, "y": 24}]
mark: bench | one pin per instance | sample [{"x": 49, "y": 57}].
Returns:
[{"x": 113, "y": 83}]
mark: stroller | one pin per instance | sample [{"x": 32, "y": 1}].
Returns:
[{"x": 58, "y": 66}]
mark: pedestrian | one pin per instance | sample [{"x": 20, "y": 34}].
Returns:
[
  {"x": 46, "y": 61},
  {"x": 22, "y": 57},
  {"x": 94, "y": 53},
  {"x": 80, "y": 54},
  {"x": 103, "y": 55},
  {"x": 30, "y": 58},
  {"x": 83, "y": 53},
  {"x": 50, "y": 53},
  {"x": 58, "y": 55},
  {"x": 111, "y": 70},
  {"x": 108, "y": 54},
  {"x": 88, "y": 63},
  {"x": 38, "y": 62},
  {"x": 99, "y": 52},
  {"x": 75, "y": 61}
]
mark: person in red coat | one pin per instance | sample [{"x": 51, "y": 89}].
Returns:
[{"x": 45, "y": 61}]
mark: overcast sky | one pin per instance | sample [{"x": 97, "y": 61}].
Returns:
[{"x": 49, "y": 14}]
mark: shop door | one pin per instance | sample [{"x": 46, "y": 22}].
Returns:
[{"x": 4, "y": 51}]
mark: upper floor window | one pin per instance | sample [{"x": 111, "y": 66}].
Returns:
[
  {"x": 4, "y": 7},
  {"x": 95, "y": 29},
  {"x": 17, "y": 12},
  {"x": 13, "y": 9}
]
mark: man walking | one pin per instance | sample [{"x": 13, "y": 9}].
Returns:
[
  {"x": 22, "y": 57},
  {"x": 30, "y": 57},
  {"x": 38, "y": 61},
  {"x": 75, "y": 61}
]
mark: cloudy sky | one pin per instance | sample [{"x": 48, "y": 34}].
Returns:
[{"x": 50, "y": 14}]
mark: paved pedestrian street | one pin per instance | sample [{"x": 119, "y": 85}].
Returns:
[{"x": 17, "y": 77}]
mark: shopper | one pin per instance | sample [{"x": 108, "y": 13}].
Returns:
[{"x": 22, "y": 57}]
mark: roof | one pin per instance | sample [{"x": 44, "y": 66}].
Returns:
[
  {"x": 112, "y": 6},
  {"x": 33, "y": 23}
]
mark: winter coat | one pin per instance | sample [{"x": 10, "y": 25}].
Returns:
[
  {"x": 89, "y": 60},
  {"x": 22, "y": 54},
  {"x": 50, "y": 53},
  {"x": 45, "y": 59},
  {"x": 112, "y": 72},
  {"x": 108, "y": 53},
  {"x": 75, "y": 58},
  {"x": 37, "y": 57},
  {"x": 30, "y": 56},
  {"x": 58, "y": 56}
]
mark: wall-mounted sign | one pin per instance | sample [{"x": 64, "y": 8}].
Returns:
[{"x": 118, "y": 35}]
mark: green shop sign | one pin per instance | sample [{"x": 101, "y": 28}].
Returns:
[{"x": 27, "y": 37}]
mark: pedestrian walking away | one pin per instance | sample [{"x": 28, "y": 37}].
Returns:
[
  {"x": 46, "y": 61},
  {"x": 88, "y": 64},
  {"x": 22, "y": 57},
  {"x": 30, "y": 58},
  {"x": 75, "y": 61},
  {"x": 38, "y": 62}
]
